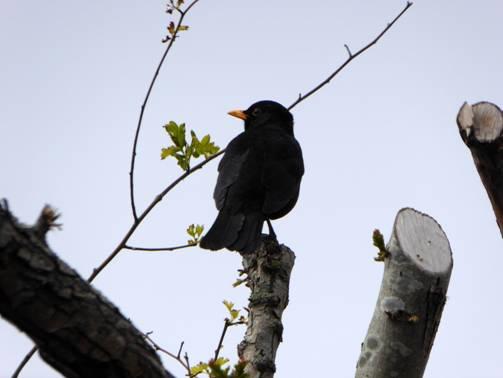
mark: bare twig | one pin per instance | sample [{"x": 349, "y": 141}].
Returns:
[
  {"x": 349, "y": 59},
  {"x": 183, "y": 13},
  {"x": 159, "y": 249},
  {"x": 24, "y": 362},
  {"x": 349, "y": 53},
  {"x": 180, "y": 349},
  {"x": 156, "y": 200},
  {"x": 221, "y": 341},
  {"x": 176, "y": 357},
  {"x": 228, "y": 323}
]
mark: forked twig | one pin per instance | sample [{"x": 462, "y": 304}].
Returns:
[
  {"x": 349, "y": 59},
  {"x": 183, "y": 13}
]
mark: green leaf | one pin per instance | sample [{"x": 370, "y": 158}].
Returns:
[
  {"x": 182, "y": 161},
  {"x": 239, "y": 370},
  {"x": 232, "y": 311},
  {"x": 228, "y": 304},
  {"x": 170, "y": 151},
  {"x": 238, "y": 282},
  {"x": 201, "y": 367},
  {"x": 220, "y": 361},
  {"x": 182, "y": 150},
  {"x": 207, "y": 147},
  {"x": 378, "y": 241},
  {"x": 181, "y": 136},
  {"x": 199, "y": 229},
  {"x": 183, "y": 28},
  {"x": 176, "y": 133},
  {"x": 191, "y": 230},
  {"x": 195, "y": 231}
]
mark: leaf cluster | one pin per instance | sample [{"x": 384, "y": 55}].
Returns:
[
  {"x": 183, "y": 150},
  {"x": 172, "y": 28},
  {"x": 195, "y": 231},
  {"x": 217, "y": 369},
  {"x": 174, "y": 5},
  {"x": 378, "y": 242},
  {"x": 234, "y": 317}
]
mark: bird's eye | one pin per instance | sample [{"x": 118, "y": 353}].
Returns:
[{"x": 256, "y": 112}]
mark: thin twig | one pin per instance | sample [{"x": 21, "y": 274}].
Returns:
[
  {"x": 349, "y": 59},
  {"x": 156, "y": 200},
  {"x": 348, "y": 50},
  {"x": 147, "y": 96},
  {"x": 222, "y": 336},
  {"x": 180, "y": 349},
  {"x": 176, "y": 357},
  {"x": 158, "y": 249},
  {"x": 24, "y": 362},
  {"x": 227, "y": 324},
  {"x": 186, "y": 357}
]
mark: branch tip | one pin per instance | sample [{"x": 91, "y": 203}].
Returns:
[{"x": 348, "y": 50}]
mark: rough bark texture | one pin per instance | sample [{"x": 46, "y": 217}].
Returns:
[
  {"x": 481, "y": 128},
  {"x": 78, "y": 331},
  {"x": 411, "y": 299},
  {"x": 268, "y": 271}
]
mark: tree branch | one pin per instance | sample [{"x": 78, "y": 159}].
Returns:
[
  {"x": 481, "y": 128},
  {"x": 142, "y": 249},
  {"x": 268, "y": 270},
  {"x": 147, "y": 96},
  {"x": 78, "y": 331},
  {"x": 409, "y": 307},
  {"x": 143, "y": 215},
  {"x": 349, "y": 59},
  {"x": 176, "y": 357}
]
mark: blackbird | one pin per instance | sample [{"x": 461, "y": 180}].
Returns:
[{"x": 259, "y": 178}]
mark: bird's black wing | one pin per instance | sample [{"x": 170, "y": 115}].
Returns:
[
  {"x": 229, "y": 168},
  {"x": 283, "y": 170}
]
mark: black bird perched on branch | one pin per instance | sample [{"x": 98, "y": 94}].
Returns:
[{"x": 259, "y": 178}]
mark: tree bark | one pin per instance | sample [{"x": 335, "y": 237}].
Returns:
[
  {"x": 481, "y": 128},
  {"x": 410, "y": 303},
  {"x": 268, "y": 270},
  {"x": 77, "y": 330}
]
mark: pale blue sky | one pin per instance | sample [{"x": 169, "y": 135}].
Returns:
[{"x": 380, "y": 137}]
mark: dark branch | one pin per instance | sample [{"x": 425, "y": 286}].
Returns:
[
  {"x": 227, "y": 323},
  {"x": 176, "y": 357},
  {"x": 222, "y": 337},
  {"x": 133, "y": 228},
  {"x": 24, "y": 362},
  {"x": 159, "y": 249},
  {"x": 348, "y": 60},
  {"x": 147, "y": 96},
  {"x": 77, "y": 330},
  {"x": 140, "y": 219},
  {"x": 481, "y": 128}
]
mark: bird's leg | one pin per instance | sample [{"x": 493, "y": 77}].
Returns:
[{"x": 272, "y": 234}]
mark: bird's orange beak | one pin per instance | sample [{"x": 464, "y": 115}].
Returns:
[{"x": 239, "y": 114}]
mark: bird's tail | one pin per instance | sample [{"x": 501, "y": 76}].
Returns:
[{"x": 237, "y": 232}]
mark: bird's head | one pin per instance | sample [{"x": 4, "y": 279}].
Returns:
[{"x": 265, "y": 113}]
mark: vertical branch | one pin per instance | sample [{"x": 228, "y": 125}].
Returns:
[
  {"x": 144, "y": 104},
  {"x": 481, "y": 128},
  {"x": 418, "y": 266},
  {"x": 268, "y": 270}
]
